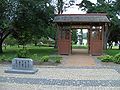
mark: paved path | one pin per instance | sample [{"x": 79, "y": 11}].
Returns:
[
  {"x": 78, "y": 58},
  {"x": 62, "y": 79}
]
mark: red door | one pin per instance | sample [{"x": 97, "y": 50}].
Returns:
[
  {"x": 64, "y": 42},
  {"x": 96, "y": 42}
]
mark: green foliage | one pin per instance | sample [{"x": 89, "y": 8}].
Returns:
[
  {"x": 34, "y": 52},
  {"x": 74, "y": 36},
  {"x": 7, "y": 12},
  {"x": 25, "y": 19},
  {"x": 38, "y": 54},
  {"x": 112, "y": 52},
  {"x": 34, "y": 17},
  {"x": 86, "y": 4},
  {"x": 56, "y": 59},
  {"x": 3, "y": 58},
  {"x": 118, "y": 5},
  {"x": 116, "y": 58},
  {"x": 60, "y": 5},
  {"x": 79, "y": 47},
  {"x": 106, "y": 58},
  {"x": 113, "y": 57},
  {"x": 45, "y": 58},
  {"x": 23, "y": 53},
  {"x": 51, "y": 31},
  {"x": 10, "y": 41},
  {"x": 111, "y": 7}
]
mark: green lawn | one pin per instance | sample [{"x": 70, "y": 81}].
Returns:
[
  {"x": 112, "y": 51},
  {"x": 35, "y": 52},
  {"x": 112, "y": 55},
  {"x": 79, "y": 47}
]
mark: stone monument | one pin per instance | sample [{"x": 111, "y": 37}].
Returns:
[{"x": 22, "y": 65}]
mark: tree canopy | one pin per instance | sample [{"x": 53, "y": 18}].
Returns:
[
  {"x": 112, "y": 9},
  {"x": 25, "y": 19}
]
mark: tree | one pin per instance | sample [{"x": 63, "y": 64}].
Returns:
[
  {"x": 118, "y": 5},
  {"x": 118, "y": 11},
  {"x": 10, "y": 41},
  {"x": 7, "y": 13},
  {"x": 24, "y": 19},
  {"x": 104, "y": 6},
  {"x": 60, "y": 4},
  {"x": 33, "y": 18},
  {"x": 74, "y": 36}
]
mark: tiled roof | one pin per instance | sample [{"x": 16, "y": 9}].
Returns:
[{"x": 81, "y": 18}]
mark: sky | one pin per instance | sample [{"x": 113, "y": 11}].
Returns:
[{"x": 74, "y": 9}]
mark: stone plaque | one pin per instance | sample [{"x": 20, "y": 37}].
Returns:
[{"x": 22, "y": 65}]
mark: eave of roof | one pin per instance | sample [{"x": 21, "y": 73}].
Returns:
[{"x": 90, "y": 17}]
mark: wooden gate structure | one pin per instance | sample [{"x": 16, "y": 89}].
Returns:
[{"x": 96, "y": 23}]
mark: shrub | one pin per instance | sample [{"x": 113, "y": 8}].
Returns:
[
  {"x": 56, "y": 59},
  {"x": 45, "y": 58},
  {"x": 116, "y": 58},
  {"x": 106, "y": 58},
  {"x": 23, "y": 53},
  {"x": 2, "y": 58}
]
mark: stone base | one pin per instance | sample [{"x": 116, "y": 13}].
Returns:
[{"x": 21, "y": 71}]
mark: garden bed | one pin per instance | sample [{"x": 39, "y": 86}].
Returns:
[{"x": 111, "y": 56}]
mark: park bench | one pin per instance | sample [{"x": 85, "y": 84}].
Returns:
[{"x": 22, "y": 65}]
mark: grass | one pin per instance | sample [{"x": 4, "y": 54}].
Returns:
[
  {"x": 112, "y": 52},
  {"x": 79, "y": 47},
  {"x": 35, "y": 53}
]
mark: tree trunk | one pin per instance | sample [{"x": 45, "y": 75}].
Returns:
[
  {"x": 35, "y": 43},
  {"x": 1, "y": 51},
  {"x": 106, "y": 36},
  {"x": 105, "y": 43}
]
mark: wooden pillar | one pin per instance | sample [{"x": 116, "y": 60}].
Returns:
[
  {"x": 103, "y": 39},
  {"x": 88, "y": 40},
  {"x": 90, "y": 46}
]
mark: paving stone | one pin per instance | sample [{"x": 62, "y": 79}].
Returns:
[
  {"x": 8, "y": 86},
  {"x": 59, "y": 82}
]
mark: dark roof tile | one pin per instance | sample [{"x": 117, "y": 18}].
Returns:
[{"x": 81, "y": 18}]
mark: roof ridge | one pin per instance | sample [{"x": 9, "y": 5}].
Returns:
[{"x": 87, "y": 14}]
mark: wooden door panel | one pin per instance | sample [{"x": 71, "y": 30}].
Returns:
[
  {"x": 64, "y": 47},
  {"x": 96, "y": 48},
  {"x": 64, "y": 42},
  {"x": 96, "y": 45}
]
